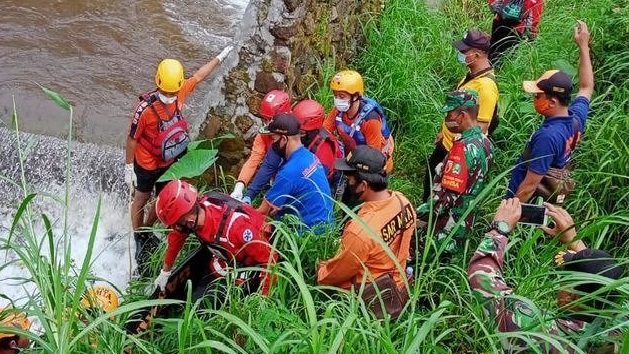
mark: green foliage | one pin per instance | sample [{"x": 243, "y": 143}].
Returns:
[
  {"x": 409, "y": 65},
  {"x": 57, "y": 98},
  {"x": 200, "y": 156}
]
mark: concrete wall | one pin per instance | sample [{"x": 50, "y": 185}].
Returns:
[{"x": 281, "y": 45}]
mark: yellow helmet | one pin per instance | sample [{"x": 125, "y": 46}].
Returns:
[
  {"x": 349, "y": 81},
  {"x": 100, "y": 297},
  {"x": 13, "y": 319},
  {"x": 169, "y": 76}
]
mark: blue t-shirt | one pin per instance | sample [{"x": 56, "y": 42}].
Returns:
[
  {"x": 301, "y": 188},
  {"x": 550, "y": 145},
  {"x": 268, "y": 169}
]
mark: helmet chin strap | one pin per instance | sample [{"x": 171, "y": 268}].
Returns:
[{"x": 196, "y": 220}]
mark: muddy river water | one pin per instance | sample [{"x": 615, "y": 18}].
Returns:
[{"x": 100, "y": 55}]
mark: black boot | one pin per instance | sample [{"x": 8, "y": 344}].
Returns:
[{"x": 145, "y": 245}]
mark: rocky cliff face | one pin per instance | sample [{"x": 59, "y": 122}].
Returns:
[{"x": 281, "y": 44}]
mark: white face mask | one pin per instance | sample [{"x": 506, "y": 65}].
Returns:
[
  {"x": 341, "y": 104},
  {"x": 167, "y": 99},
  {"x": 461, "y": 58},
  {"x": 452, "y": 125}
]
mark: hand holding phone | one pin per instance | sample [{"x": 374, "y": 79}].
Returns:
[
  {"x": 533, "y": 214},
  {"x": 564, "y": 225}
]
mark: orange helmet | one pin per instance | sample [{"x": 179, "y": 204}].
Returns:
[
  {"x": 100, "y": 297},
  {"x": 15, "y": 320},
  {"x": 274, "y": 102},
  {"x": 310, "y": 114},
  {"x": 174, "y": 201}
]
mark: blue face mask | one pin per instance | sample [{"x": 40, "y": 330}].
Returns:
[{"x": 461, "y": 58}]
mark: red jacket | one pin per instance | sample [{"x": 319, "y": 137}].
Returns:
[{"x": 242, "y": 242}]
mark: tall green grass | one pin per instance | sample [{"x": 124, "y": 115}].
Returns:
[{"x": 409, "y": 65}]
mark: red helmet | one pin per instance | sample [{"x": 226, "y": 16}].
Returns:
[
  {"x": 174, "y": 201},
  {"x": 310, "y": 114},
  {"x": 273, "y": 103}
]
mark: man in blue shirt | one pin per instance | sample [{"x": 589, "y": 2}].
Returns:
[
  {"x": 301, "y": 187},
  {"x": 564, "y": 123}
]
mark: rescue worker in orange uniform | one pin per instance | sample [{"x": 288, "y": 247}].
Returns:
[
  {"x": 358, "y": 119},
  {"x": 158, "y": 136},
  {"x": 272, "y": 103},
  {"x": 388, "y": 215}
]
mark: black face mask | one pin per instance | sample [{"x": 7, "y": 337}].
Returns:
[
  {"x": 309, "y": 137},
  {"x": 279, "y": 149},
  {"x": 352, "y": 190}
]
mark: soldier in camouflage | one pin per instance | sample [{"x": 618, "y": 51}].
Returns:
[
  {"x": 462, "y": 174},
  {"x": 538, "y": 330}
]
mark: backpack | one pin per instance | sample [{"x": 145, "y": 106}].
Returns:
[
  {"x": 511, "y": 11},
  {"x": 232, "y": 206},
  {"x": 324, "y": 136},
  {"x": 172, "y": 137},
  {"x": 353, "y": 130}
]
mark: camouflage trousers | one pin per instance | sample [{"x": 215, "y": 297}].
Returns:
[{"x": 447, "y": 238}]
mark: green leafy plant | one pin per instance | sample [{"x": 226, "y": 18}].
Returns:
[{"x": 200, "y": 156}]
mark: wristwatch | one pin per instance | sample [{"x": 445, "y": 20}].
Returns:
[{"x": 500, "y": 226}]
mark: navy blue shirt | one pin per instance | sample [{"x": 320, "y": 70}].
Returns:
[
  {"x": 268, "y": 169},
  {"x": 550, "y": 145},
  {"x": 301, "y": 188}
]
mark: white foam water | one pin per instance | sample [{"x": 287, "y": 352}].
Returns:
[
  {"x": 112, "y": 250},
  {"x": 96, "y": 172}
]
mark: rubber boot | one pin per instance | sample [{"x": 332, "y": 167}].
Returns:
[{"x": 145, "y": 245}]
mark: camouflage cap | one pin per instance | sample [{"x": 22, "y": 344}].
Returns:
[{"x": 460, "y": 98}]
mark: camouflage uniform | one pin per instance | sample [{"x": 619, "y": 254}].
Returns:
[
  {"x": 513, "y": 314},
  {"x": 460, "y": 178}
]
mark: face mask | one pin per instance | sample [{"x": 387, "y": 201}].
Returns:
[
  {"x": 278, "y": 148},
  {"x": 352, "y": 190},
  {"x": 461, "y": 58},
  {"x": 541, "y": 106},
  {"x": 167, "y": 99},
  {"x": 341, "y": 104},
  {"x": 452, "y": 125}
]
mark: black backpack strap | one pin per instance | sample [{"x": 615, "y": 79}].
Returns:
[
  {"x": 151, "y": 98},
  {"x": 231, "y": 204},
  {"x": 221, "y": 225},
  {"x": 470, "y": 77}
]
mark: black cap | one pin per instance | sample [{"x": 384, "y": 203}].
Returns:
[
  {"x": 473, "y": 38},
  {"x": 590, "y": 261},
  {"x": 363, "y": 159},
  {"x": 282, "y": 124},
  {"x": 552, "y": 82}
]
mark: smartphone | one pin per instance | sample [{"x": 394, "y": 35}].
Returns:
[{"x": 533, "y": 214}]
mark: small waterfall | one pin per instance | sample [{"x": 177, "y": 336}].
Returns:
[{"x": 96, "y": 172}]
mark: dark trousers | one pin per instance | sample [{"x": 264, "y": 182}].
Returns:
[
  {"x": 435, "y": 158},
  {"x": 503, "y": 37}
]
